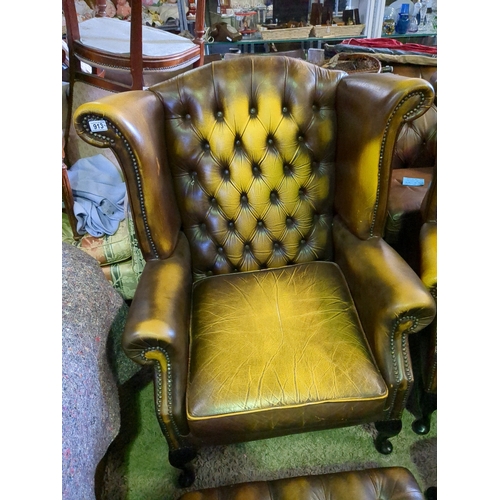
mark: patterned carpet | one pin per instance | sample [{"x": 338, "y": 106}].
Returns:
[{"x": 136, "y": 466}]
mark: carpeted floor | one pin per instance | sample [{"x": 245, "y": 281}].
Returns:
[{"x": 136, "y": 466}]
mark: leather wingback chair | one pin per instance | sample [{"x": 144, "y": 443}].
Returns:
[
  {"x": 270, "y": 303},
  {"x": 415, "y": 156},
  {"x": 423, "y": 401}
]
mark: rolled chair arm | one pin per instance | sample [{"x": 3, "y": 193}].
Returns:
[
  {"x": 398, "y": 304},
  {"x": 428, "y": 238},
  {"x": 106, "y": 123},
  {"x": 157, "y": 332},
  {"x": 371, "y": 110},
  {"x": 428, "y": 260}
]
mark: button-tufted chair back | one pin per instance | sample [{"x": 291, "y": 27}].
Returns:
[
  {"x": 279, "y": 170},
  {"x": 417, "y": 143},
  {"x": 253, "y": 163}
]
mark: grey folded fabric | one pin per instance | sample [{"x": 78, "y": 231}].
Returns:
[{"x": 99, "y": 194}]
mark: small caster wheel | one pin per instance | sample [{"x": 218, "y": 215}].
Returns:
[
  {"x": 186, "y": 478},
  {"x": 431, "y": 493},
  {"x": 421, "y": 426},
  {"x": 383, "y": 446}
]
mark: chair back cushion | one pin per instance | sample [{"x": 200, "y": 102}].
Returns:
[
  {"x": 252, "y": 159},
  {"x": 416, "y": 146}
]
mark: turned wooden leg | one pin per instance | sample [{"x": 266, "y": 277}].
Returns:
[
  {"x": 431, "y": 493},
  {"x": 428, "y": 405},
  {"x": 386, "y": 430},
  {"x": 180, "y": 460}
]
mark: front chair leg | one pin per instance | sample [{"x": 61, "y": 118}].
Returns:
[
  {"x": 180, "y": 460},
  {"x": 428, "y": 404},
  {"x": 431, "y": 493},
  {"x": 385, "y": 430}
]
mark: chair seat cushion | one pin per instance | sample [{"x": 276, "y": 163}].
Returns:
[
  {"x": 403, "y": 217},
  {"x": 404, "y": 199},
  {"x": 113, "y": 35},
  {"x": 245, "y": 330}
]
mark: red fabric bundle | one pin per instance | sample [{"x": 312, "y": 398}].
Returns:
[{"x": 390, "y": 43}]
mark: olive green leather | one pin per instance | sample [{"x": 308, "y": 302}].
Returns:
[
  {"x": 428, "y": 274},
  {"x": 284, "y": 361},
  {"x": 388, "y": 483},
  {"x": 428, "y": 257},
  {"x": 391, "y": 303},
  {"x": 248, "y": 179}
]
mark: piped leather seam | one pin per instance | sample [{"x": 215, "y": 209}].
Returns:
[
  {"x": 111, "y": 143},
  {"x": 407, "y": 369},
  {"x": 158, "y": 394},
  {"x": 406, "y": 117}
]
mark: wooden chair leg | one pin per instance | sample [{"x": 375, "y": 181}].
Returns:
[{"x": 386, "y": 430}]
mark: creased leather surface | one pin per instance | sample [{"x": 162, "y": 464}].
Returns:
[
  {"x": 406, "y": 199},
  {"x": 287, "y": 337},
  {"x": 392, "y": 303},
  {"x": 404, "y": 210},
  {"x": 387, "y": 483},
  {"x": 370, "y": 113},
  {"x": 249, "y": 161}
]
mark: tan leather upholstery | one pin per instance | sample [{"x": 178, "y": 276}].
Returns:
[
  {"x": 415, "y": 157},
  {"x": 389, "y": 483},
  {"x": 404, "y": 218},
  {"x": 429, "y": 277},
  {"x": 299, "y": 53},
  {"x": 415, "y": 153},
  {"x": 415, "y": 71},
  {"x": 423, "y": 400},
  {"x": 428, "y": 274},
  {"x": 269, "y": 303}
]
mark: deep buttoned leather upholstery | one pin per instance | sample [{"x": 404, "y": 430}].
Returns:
[
  {"x": 389, "y": 483},
  {"x": 279, "y": 211},
  {"x": 269, "y": 303},
  {"x": 415, "y": 156}
]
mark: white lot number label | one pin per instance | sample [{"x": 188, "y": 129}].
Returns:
[{"x": 98, "y": 126}]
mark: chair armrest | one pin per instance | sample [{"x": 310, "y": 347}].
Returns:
[
  {"x": 132, "y": 126},
  {"x": 371, "y": 109},
  {"x": 428, "y": 259},
  {"x": 157, "y": 330},
  {"x": 398, "y": 304}
]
